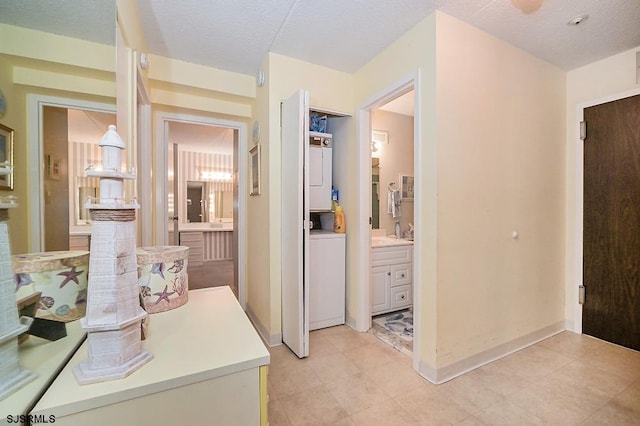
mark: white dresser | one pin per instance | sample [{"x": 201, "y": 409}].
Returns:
[
  {"x": 209, "y": 367},
  {"x": 46, "y": 359}
]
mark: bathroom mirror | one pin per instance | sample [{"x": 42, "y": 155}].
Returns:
[
  {"x": 375, "y": 193},
  {"x": 85, "y": 188},
  {"x": 207, "y": 204},
  {"x": 379, "y": 140}
]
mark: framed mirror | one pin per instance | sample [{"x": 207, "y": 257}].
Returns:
[{"x": 206, "y": 203}]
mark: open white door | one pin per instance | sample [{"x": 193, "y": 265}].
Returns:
[{"x": 295, "y": 223}]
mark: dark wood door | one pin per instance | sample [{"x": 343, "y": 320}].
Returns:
[{"x": 611, "y": 263}]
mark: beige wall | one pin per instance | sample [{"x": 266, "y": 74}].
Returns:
[
  {"x": 128, "y": 22},
  {"x": 501, "y": 168},
  {"x": 14, "y": 118},
  {"x": 396, "y": 158},
  {"x": 599, "y": 82},
  {"x": 259, "y": 252}
]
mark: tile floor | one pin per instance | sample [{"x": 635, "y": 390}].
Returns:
[{"x": 354, "y": 379}]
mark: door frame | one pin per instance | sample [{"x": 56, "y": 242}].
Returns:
[
  {"x": 162, "y": 120},
  {"x": 363, "y": 208},
  {"x": 572, "y": 289},
  {"x": 143, "y": 155},
  {"x": 35, "y": 107}
]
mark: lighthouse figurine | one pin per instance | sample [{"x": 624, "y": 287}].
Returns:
[
  {"x": 113, "y": 316},
  {"x": 12, "y": 376}
]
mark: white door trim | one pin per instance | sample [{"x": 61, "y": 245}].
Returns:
[
  {"x": 571, "y": 290},
  {"x": 145, "y": 180},
  {"x": 143, "y": 127},
  {"x": 35, "y": 105},
  {"x": 363, "y": 208},
  {"x": 162, "y": 120}
]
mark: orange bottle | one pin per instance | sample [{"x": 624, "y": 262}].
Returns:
[{"x": 339, "y": 224}]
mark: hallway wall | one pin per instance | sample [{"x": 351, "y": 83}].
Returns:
[{"x": 501, "y": 169}]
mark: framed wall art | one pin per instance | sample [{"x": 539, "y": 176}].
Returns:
[
  {"x": 6, "y": 155},
  {"x": 254, "y": 159}
]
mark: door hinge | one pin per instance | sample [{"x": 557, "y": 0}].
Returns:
[
  {"x": 581, "y": 294},
  {"x": 583, "y": 130}
]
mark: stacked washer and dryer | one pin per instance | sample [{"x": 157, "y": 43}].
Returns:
[{"x": 326, "y": 248}]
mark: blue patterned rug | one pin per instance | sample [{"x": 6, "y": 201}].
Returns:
[{"x": 396, "y": 329}]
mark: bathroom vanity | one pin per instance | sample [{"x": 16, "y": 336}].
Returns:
[
  {"x": 391, "y": 274},
  {"x": 207, "y": 242}
]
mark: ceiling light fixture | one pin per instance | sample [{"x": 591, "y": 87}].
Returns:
[
  {"x": 527, "y": 6},
  {"x": 577, "y": 20}
]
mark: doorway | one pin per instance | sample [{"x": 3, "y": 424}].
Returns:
[
  {"x": 204, "y": 195},
  {"x": 392, "y": 215},
  {"x": 611, "y": 235},
  {"x": 222, "y": 183},
  {"x": 70, "y": 144},
  {"x": 364, "y": 207},
  {"x": 54, "y": 185}
]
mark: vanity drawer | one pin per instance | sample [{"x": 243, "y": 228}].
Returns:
[
  {"x": 391, "y": 255},
  {"x": 401, "y": 296},
  {"x": 193, "y": 240},
  {"x": 401, "y": 274}
]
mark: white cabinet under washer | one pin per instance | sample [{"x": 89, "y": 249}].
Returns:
[
  {"x": 326, "y": 279},
  {"x": 391, "y": 278}
]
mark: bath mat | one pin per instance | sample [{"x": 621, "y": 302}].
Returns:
[{"x": 395, "y": 329}]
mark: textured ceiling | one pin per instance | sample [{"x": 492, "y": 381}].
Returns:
[
  {"x": 345, "y": 35},
  {"x": 613, "y": 26},
  {"x": 94, "y": 22},
  {"x": 235, "y": 35}
]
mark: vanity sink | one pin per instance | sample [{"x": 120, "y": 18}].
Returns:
[{"x": 389, "y": 241}]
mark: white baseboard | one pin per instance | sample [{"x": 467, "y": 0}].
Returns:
[
  {"x": 571, "y": 326},
  {"x": 451, "y": 371},
  {"x": 267, "y": 338}
]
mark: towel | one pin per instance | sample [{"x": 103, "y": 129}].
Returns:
[{"x": 393, "y": 203}]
